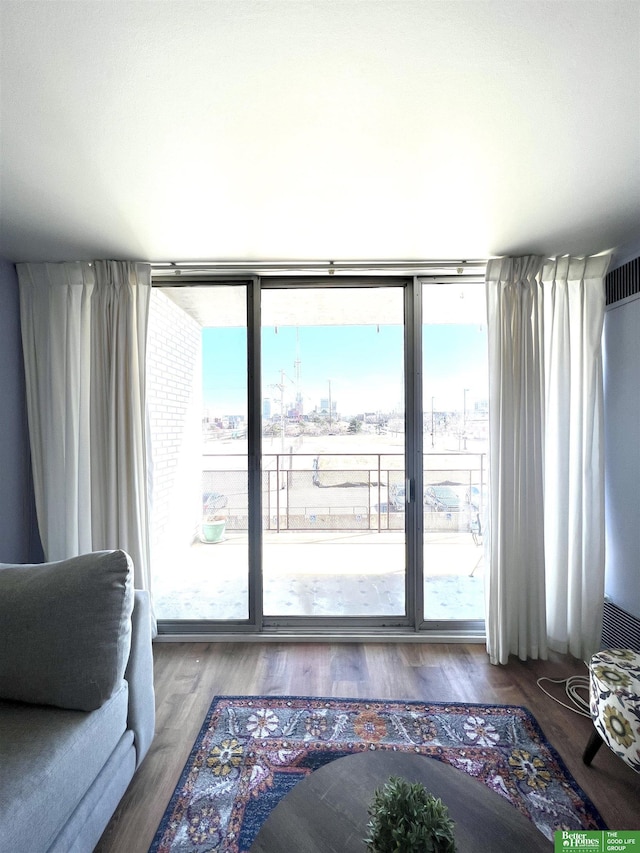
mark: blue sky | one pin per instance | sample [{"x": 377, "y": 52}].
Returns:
[{"x": 363, "y": 363}]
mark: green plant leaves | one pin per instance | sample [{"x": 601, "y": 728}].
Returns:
[{"x": 406, "y": 818}]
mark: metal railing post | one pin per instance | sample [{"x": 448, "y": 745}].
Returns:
[
  {"x": 380, "y": 492},
  {"x": 277, "y": 493}
]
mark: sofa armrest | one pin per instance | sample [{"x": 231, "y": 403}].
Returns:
[{"x": 139, "y": 675}]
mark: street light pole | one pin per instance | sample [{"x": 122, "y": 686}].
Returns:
[
  {"x": 432, "y": 432},
  {"x": 282, "y": 422},
  {"x": 464, "y": 419}
]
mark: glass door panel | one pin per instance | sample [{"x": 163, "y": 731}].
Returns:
[
  {"x": 333, "y": 452},
  {"x": 198, "y": 402},
  {"x": 456, "y": 445}
]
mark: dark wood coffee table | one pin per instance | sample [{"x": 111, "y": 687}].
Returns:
[{"x": 327, "y": 811}]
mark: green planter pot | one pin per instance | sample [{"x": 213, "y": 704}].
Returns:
[{"x": 213, "y": 531}]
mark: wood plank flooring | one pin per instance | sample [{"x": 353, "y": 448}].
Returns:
[{"x": 188, "y": 675}]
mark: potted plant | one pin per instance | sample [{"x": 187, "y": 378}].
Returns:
[
  {"x": 214, "y": 520},
  {"x": 213, "y": 527},
  {"x": 406, "y": 818}
]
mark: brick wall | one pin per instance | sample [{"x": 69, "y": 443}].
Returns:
[{"x": 174, "y": 368}]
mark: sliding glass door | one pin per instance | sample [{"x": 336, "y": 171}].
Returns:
[
  {"x": 333, "y": 453},
  {"x": 456, "y": 444},
  {"x": 319, "y": 455}
]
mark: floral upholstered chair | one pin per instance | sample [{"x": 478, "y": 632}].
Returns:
[{"x": 614, "y": 700}]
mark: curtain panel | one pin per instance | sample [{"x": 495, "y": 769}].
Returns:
[
  {"x": 546, "y": 524},
  {"x": 84, "y": 332},
  {"x": 574, "y": 452}
]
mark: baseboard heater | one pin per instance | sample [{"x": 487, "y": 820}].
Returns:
[{"x": 620, "y": 630}]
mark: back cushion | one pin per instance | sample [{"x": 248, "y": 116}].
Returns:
[{"x": 65, "y": 629}]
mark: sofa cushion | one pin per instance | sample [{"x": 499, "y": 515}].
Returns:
[
  {"x": 66, "y": 629},
  {"x": 50, "y": 759}
]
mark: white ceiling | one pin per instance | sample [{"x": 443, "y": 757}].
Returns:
[{"x": 318, "y": 129}]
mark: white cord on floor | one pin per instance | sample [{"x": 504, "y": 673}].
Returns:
[{"x": 573, "y": 686}]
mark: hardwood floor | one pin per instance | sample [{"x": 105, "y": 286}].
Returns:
[{"x": 188, "y": 675}]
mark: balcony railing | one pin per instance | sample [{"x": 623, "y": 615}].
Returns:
[{"x": 344, "y": 491}]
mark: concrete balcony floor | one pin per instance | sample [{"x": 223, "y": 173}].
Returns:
[{"x": 319, "y": 573}]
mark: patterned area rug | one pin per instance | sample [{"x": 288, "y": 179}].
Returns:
[{"x": 252, "y": 750}]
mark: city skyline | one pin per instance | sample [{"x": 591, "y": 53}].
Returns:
[{"x": 360, "y": 367}]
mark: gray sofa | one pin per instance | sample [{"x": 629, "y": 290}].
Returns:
[{"x": 77, "y": 709}]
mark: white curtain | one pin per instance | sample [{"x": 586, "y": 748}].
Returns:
[
  {"x": 84, "y": 331},
  {"x": 546, "y": 565},
  {"x": 574, "y": 453}
]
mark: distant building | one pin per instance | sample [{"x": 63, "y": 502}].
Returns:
[
  {"x": 266, "y": 408},
  {"x": 324, "y": 406}
]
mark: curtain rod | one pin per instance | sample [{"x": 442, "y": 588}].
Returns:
[{"x": 460, "y": 267}]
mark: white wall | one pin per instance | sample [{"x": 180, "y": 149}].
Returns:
[{"x": 622, "y": 453}]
